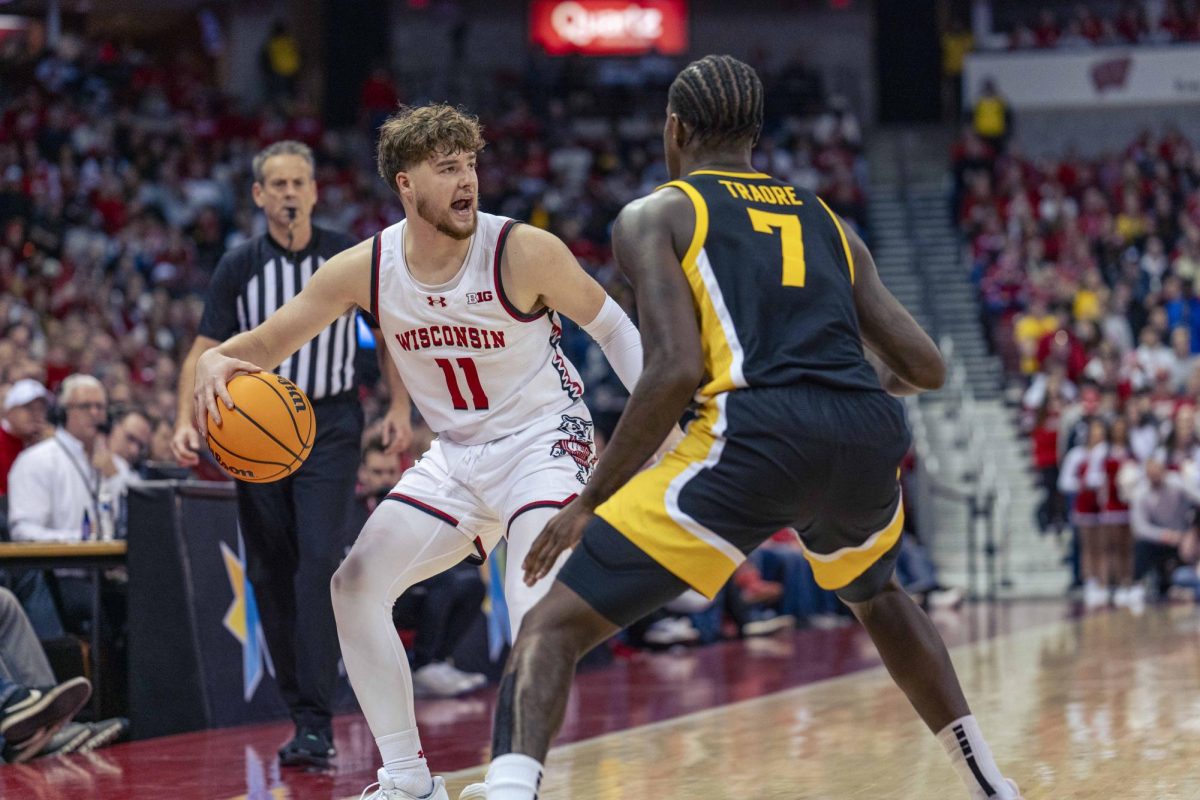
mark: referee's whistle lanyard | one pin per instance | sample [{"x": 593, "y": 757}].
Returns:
[{"x": 92, "y": 483}]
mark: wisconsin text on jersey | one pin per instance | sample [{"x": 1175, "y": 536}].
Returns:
[{"x": 451, "y": 336}]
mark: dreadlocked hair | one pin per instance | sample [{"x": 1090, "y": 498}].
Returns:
[{"x": 720, "y": 99}]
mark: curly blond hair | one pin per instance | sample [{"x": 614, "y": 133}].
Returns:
[{"x": 417, "y": 132}]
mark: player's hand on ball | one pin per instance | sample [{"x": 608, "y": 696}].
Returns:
[
  {"x": 214, "y": 370},
  {"x": 562, "y": 532}
]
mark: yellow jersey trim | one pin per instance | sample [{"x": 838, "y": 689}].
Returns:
[
  {"x": 842, "y": 233},
  {"x": 718, "y": 355},
  {"x": 641, "y": 511},
  {"x": 840, "y": 569},
  {"x": 723, "y": 174}
]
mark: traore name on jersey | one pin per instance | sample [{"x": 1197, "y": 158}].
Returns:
[{"x": 772, "y": 278}]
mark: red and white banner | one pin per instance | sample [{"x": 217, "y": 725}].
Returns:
[
  {"x": 1105, "y": 76},
  {"x": 609, "y": 27}
]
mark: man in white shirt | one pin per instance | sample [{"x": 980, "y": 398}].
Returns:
[
  {"x": 54, "y": 483},
  {"x": 57, "y": 484},
  {"x": 1161, "y": 516}
]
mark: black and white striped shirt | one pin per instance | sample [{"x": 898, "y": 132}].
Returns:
[{"x": 254, "y": 279}]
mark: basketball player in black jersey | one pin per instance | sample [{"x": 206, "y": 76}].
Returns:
[{"x": 756, "y": 293}]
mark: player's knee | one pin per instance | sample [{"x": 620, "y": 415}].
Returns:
[
  {"x": 345, "y": 577},
  {"x": 351, "y": 578},
  {"x": 559, "y": 627}
]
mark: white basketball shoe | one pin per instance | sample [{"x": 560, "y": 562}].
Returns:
[
  {"x": 476, "y": 791},
  {"x": 978, "y": 795},
  {"x": 385, "y": 789}
]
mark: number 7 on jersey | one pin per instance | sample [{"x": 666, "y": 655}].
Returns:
[{"x": 791, "y": 240}]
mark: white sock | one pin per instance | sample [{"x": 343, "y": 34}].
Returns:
[
  {"x": 972, "y": 760},
  {"x": 405, "y": 762},
  {"x": 514, "y": 777}
]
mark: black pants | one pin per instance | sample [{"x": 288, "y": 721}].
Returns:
[
  {"x": 442, "y": 610},
  {"x": 1161, "y": 559},
  {"x": 1050, "y": 512},
  {"x": 296, "y": 535}
]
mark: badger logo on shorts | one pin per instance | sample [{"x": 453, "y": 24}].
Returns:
[{"x": 577, "y": 445}]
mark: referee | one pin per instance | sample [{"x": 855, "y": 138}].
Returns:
[{"x": 294, "y": 529}]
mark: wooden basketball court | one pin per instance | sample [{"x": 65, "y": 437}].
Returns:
[{"x": 1103, "y": 706}]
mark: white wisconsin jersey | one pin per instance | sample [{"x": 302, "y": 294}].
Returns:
[{"x": 475, "y": 366}]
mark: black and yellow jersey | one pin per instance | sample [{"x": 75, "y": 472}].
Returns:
[{"x": 772, "y": 280}]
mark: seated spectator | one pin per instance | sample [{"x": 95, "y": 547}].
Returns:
[
  {"x": 1185, "y": 362},
  {"x": 36, "y": 721},
  {"x": 23, "y": 423},
  {"x": 441, "y": 609},
  {"x": 1154, "y": 359},
  {"x": 1046, "y": 33},
  {"x": 1030, "y": 328},
  {"x": 55, "y": 486},
  {"x": 131, "y": 437},
  {"x": 1160, "y": 516}
]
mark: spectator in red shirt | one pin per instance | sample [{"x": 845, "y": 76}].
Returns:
[
  {"x": 1051, "y": 512},
  {"x": 1045, "y": 32},
  {"x": 23, "y": 424},
  {"x": 1131, "y": 22}
]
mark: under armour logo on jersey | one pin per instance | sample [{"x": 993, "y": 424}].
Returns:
[
  {"x": 479, "y": 297},
  {"x": 435, "y": 300}
]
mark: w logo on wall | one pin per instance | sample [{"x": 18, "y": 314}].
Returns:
[{"x": 242, "y": 621}]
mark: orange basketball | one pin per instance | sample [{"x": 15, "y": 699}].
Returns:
[{"x": 269, "y": 431}]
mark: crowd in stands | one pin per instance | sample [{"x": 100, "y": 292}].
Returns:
[
  {"x": 1088, "y": 274},
  {"x": 1133, "y": 23},
  {"x": 124, "y": 178},
  {"x": 125, "y": 175}
]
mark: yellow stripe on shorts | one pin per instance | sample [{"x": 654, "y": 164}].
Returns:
[
  {"x": 839, "y": 569},
  {"x": 641, "y": 511}
]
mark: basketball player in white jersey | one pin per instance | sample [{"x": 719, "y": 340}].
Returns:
[{"x": 468, "y": 304}]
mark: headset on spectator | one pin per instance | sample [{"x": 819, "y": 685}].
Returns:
[{"x": 57, "y": 415}]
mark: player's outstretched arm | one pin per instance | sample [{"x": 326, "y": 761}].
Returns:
[
  {"x": 340, "y": 283},
  {"x": 545, "y": 273},
  {"x": 910, "y": 356},
  {"x": 650, "y": 237}
]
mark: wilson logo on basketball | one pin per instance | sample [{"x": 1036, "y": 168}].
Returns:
[
  {"x": 436, "y": 301},
  {"x": 232, "y": 470},
  {"x": 294, "y": 393},
  {"x": 479, "y": 297}
]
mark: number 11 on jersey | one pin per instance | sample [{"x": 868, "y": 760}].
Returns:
[
  {"x": 791, "y": 238},
  {"x": 479, "y": 399}
]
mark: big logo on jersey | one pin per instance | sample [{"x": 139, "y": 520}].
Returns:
[{"x": 577, "y": 445}]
